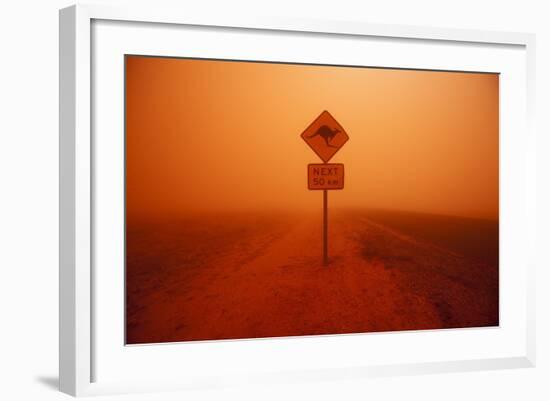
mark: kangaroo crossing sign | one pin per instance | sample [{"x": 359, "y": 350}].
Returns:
[{"x": 325, "y": 136}]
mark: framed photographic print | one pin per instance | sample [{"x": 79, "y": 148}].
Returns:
[{"x": 274, "y": 200}]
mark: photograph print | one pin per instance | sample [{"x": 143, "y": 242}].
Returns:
[{"x": 268, "y": 199}]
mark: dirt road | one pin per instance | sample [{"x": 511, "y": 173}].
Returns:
[{"x": 245, "y": 276}]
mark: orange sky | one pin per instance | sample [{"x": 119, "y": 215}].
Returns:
[{"x": 213, "y": 135}]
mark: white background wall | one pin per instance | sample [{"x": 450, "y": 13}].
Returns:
[{"x": 29, "y": 187}]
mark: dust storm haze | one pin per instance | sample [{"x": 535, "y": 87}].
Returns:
[
  {"x": 206, "y": 135},
  {"x": 224, "y": 239}
]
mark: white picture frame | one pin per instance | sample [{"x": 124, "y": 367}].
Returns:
[{"x": 80, "y": 348}]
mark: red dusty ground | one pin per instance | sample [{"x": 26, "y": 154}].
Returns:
[{"x": 249, "y": 276}]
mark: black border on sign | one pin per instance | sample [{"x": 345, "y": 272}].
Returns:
[{"x": 313, "y": 122}]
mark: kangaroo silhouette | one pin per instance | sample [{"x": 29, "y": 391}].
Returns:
[{"x": 327, "y": 133}]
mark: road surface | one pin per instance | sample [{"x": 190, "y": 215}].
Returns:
[{"x": 250, "y": 276}]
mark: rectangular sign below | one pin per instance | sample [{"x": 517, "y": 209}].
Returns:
[{"x": 325, "y": 176}]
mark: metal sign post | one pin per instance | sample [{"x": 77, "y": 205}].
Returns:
[
  {"x": 325, "y": 227},
  {"x": 325, "y": 136}
]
